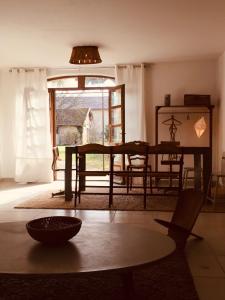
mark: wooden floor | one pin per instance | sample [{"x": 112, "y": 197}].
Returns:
[{"x": 206, "y": 258}]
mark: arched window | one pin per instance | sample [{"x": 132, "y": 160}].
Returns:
[{"x": 81, "y": 82}]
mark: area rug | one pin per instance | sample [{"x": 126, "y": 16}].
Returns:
[
  {"x": 169, "y": 279},
  {"x": 100, "y": 202}
]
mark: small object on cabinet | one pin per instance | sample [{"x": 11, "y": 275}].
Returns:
[
  {"x": 191, "y": 100},
  {"x": 167, "y": 100}
]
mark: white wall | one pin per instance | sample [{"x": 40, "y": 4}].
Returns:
[
  {"x": 177, "y": 79},
  {"x": 221, "y": 106}
]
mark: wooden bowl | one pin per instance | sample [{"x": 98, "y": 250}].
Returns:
[{"x": 53, "y": 230}]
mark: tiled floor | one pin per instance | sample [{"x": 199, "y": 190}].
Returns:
[{"x": 206, "y": 258}]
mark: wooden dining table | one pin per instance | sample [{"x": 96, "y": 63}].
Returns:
[{"x": 196, "y": 152}]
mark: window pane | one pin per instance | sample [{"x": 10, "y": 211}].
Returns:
[
  {"x": 116, "y": 134},
  {"x": 116, "y": 116},
  {"x": 99, "y": 82},
  {"x": 64, "y": 82},
  {"x": 81, "y": 117},
  {"x": 116, "y": 98}
]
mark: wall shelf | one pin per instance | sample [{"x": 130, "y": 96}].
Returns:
[{"x": 183, "y": 109}]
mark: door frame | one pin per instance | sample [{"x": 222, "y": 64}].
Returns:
[{"x": 81, "y": 87}]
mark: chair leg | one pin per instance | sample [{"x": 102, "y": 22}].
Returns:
[
  {"x": 110, "y": 190},
  {"x": 131, "y": 183},
  {"x": 61, "y": 193},
  {"x": 150, "y": 180},
  {"x": 75, "y": 194},
  {"x": 128, "y": 180},
  {"x": 145, "y": 187},
  {"x": 79, "y": 196},
  {"x": 209, "y": 192},
  {"x": 185, "y": 179},
  {"x": 196, "y": 236},
  {"x": 78, "y": 192},
  {"x": 208, "y": 195},
  {"x": 111, "y": 181},
  {"x": 216, "y": 190}
]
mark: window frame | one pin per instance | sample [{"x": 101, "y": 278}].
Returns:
[{"x": 81, "y": 81}]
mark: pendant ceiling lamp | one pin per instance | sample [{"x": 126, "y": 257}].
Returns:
[{"x": 84, "y": 55}]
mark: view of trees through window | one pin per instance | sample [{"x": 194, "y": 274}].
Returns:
[{"x": 81, "y": 115}]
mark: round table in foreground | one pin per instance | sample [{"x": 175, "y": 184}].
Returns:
[{"x": 97, "y": 247}]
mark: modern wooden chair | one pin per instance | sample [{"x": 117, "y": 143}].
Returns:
[
  {"x": 188, "y": 207},
  {"x": 82, "y": 172}
]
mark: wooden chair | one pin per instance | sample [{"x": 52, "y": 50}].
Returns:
[
  {"x": 189, "y": 174},
  {"x": 188, "y": 207},
  {"x": 55, "y": 169},
  {"x": 82, "y": 172},
  {"x": 131, "y": 149},
  {"x": 174, "y": 158},
  {"x": 216, "y": 180},
  {"x": 137, "y": 162}
]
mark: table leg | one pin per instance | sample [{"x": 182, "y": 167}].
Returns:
[
  {"x": 68, "y": 175},
  {"x": 197, "y": 171},
  {"x": 128, "y": 285},
  {"x": 207, "y": 171},
  {"x": 82, "y": 164}
]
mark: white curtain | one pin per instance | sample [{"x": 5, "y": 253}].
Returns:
[
  {"x": 27, "y": 153},
  {"x": 135, "y": 119}
]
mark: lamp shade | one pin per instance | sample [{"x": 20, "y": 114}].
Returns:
[
  {"x": 84, "y": 55},
  {"x": 200, "y": 127}
]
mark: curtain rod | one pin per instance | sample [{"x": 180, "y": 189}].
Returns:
[
  {"x": 102, "y": 67},
  {"x": 27, "y": 69},
  {"x": 135, "y": 65},
  {"x": 79, "y": 68}
]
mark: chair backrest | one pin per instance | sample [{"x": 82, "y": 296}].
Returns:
[
  {"x": 137, "y": 159},
  {"x": 93, "y": 149},
  {"x": 174, "y": 152},
  {"x": 165, "y": 148},
  {"x": 170, "y": 145},
  {"x": 188, "y": 207},
  {"x": 131, "y": 148}
]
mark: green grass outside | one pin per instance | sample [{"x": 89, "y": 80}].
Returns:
[
  {"x": 62, "y": 150},
  {"x": 93, "y": 161}
]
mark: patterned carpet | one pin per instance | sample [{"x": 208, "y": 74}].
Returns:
[
  {"x": 169, "y": 279},
  {"x": 100, "y": 202}
]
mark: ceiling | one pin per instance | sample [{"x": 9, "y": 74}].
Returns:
[{"x": 42, "y": 33}]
